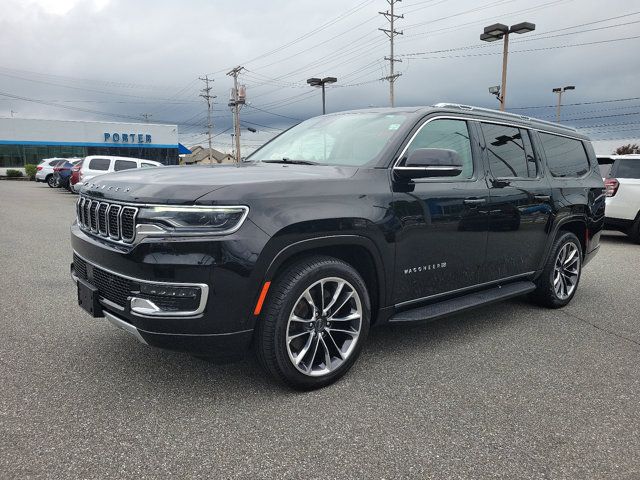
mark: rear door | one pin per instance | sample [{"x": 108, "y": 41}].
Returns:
[
  {"x": 442, "y": 222},
  {"x": 520, "y": 205}
]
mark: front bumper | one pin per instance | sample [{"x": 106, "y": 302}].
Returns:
[{"x": 225, "y": 266}]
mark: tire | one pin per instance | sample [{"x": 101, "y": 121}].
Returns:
[
  {"x": 50, "y": 181},
  {"x": 320, "y": 350},
  {"x": 561, "y": 274},
  {"x": 634, "y": 231}
]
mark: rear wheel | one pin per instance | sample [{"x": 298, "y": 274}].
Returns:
[
  {"x": 315, "y": 323},
  {"x": 634, "y": 231},
  {"x": 559, "y": 280},
  {"x": 51, "y": 181}
]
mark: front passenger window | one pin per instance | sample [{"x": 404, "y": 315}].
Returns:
[{"x": 449, "y": 135}]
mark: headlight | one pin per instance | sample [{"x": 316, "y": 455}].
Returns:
[{"x": 194, "y": 220}]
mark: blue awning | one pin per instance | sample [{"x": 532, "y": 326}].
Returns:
[{"x": 183, "y": 150}]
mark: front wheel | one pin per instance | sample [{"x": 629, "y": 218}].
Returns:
[
  {"x": 559, "y": 280},
  {"x": 315, "y": 323}
]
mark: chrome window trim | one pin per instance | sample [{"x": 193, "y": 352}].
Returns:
[
  {"x": 474, "y": 119},
  {"x": 204, "y": 292}
]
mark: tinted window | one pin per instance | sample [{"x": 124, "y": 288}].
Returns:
[
  {"x": 508, "y": 156},
  {"x": 99, "y": 164},
  {"x": 605, "y": 164},
  {"x": 628, "y": 168},
  {"x": 125, "y": 165},
  {"x": 566, "y": 157},
  {"x": 54, "y": 163},
  {"x": 450, "y": 135}
]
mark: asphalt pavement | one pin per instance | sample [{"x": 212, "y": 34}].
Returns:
[{"x": 508, "y": 391}]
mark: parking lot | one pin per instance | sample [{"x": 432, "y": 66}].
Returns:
[{"x": 507, "y": 391}]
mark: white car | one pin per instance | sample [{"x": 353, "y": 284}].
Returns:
[
  {"x": 621, "y": 175},
  {"x": 100, "y": 164},
  {"x": 44, "y": 170}
]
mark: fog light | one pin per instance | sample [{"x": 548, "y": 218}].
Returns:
[{"x": 165, "y": 291}]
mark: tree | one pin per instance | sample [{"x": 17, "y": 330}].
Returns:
[{"x": 627, "y": 149}]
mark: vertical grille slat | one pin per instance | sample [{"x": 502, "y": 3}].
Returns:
[
  {"x": 102, "y": 218},
  {"x": 128, "y": 223},
  {"x": 106, "y": 219},
  {"x": 113, "y": 221}
]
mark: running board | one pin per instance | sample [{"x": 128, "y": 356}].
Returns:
[{"x": 463, "y": 303}]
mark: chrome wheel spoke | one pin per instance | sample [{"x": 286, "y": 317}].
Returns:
[
  {"x": 313, "y": 355},
  {"x": 335, "y": 345},
  {"x": 303, "y": 352},
  {"x": 297, "y": 335},
  {"x": 327, "y": 355},
  {"x": 334, "y": 299},
  {"x": 349, "y": 318},
  {"x": 344, "y": 302},
  {"x": 340, "y": 330},
  {"x": 295, "y": 318}
]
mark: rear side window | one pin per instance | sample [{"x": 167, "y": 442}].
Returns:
[
  {"x": 125, "y": 165},
  {"x": 54, "y": 163},
  {"x": 509, "y": 151},
  {"x": 99, "y": 164},
  {"x": 566, "y": 157},
  {"x": 628, "y": 168},
  {"x": 147, "y": 165}
]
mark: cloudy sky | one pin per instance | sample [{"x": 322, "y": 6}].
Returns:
[{"x": 117, "y": 60}]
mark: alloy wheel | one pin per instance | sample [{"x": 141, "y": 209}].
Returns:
[
  {"x": 324, "y": 326},
  {"x": 566, "y": 271}
]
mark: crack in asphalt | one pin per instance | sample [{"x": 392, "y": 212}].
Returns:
[{"x": 598, "y": 327}]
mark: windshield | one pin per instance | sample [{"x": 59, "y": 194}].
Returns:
[{"x": 350, "y": 139}]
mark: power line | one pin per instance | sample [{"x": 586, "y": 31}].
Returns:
[
  {"x": 577, "y": 103},
  {"x": 206, "y": 94}
]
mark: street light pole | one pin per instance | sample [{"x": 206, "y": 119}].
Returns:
[
  {"x": 560, "y": 91},
  {"x": 500, "y": 31},
  {"x": 321, "y": 82}
]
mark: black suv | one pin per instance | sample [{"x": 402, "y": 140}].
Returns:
[{"x": 344, "y": 221}]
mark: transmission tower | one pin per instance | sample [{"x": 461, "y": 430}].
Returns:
[
  {"x": 206, "y": 94},
  {"x": 236, "y": 100},
  {"x": 391, "y": 32}
]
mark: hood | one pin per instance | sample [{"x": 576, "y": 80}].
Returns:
[{"x": 186, "y": 184}]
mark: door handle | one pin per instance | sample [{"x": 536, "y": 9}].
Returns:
[
  {"x": 474, "y": 201},
  {"x": 542, "y": 198}
]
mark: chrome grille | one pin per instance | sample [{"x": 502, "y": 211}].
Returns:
[{"x": 108, "y": 220}]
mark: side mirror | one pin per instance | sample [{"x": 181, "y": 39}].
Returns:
[{"x": 430, "y": 162}]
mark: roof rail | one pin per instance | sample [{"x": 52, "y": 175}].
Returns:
[{"x": 501, "y": 113}]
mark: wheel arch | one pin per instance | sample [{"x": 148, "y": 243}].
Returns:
[{"x": 358, "y": 251}]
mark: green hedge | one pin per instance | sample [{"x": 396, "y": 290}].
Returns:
[
  {"x": 13, "y": 173},
  {"x": 30, "y": 169}
]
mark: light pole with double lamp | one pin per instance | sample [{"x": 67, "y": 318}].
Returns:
[
  {"x": 499, "y": 31},
  {"x": 320, "y": 82},
  {"x": 560, "y": 91}
]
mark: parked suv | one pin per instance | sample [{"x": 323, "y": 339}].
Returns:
[
  {"x": 622, "y": 181},
  {"x": 44, "y": 170},
  {"x": 344, "y": 221},
  {"x": 100, "y": 164}
]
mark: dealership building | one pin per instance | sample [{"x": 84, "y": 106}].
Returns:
[{"x": 24, "y": 141}]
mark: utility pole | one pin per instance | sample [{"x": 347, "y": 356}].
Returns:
[
  {"x": 206, "y": 94},
  {"x": 391, "y": 33},
  {"x": 146, "y": 117},
  {"x": 236, "y": 100}
]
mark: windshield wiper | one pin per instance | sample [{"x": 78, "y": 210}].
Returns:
[{"x": 294, "y": 162}]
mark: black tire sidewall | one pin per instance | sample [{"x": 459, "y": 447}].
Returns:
[
  {"x": 293, "y": 291},
  {"x": 49, "y": 181}
]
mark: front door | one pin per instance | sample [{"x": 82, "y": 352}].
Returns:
[
  {"x": 442, "y": 232},
  {"x": 520, "y": 203}
]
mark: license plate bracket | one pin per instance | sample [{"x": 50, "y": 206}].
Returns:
[{"x": 88, "y": 298}]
